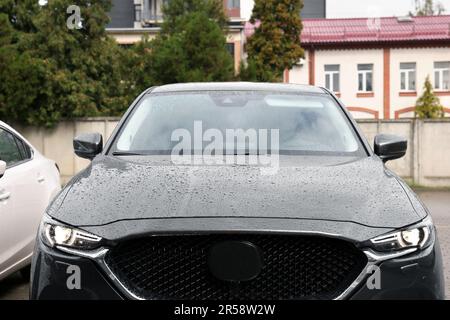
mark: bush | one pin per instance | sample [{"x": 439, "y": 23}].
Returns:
[{"x": 428, "y": 105}]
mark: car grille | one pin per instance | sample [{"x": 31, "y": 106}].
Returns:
[{"x": 294, "y": 267}]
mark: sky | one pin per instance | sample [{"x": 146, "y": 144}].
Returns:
[{"x": 373, "y": 8}]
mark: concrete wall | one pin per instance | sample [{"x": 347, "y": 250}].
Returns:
[
  {"x": 57, "y": 144},
  {"x": 427, "y": 161}
]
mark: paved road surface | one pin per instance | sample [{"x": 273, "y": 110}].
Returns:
[{"x": 438, "y": 202}]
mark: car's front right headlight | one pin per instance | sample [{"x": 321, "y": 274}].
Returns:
[
  {"x": 419, "y": 236},
  {"x": 55, "y": 234}
]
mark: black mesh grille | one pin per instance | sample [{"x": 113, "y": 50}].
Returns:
[{"x": 294, "y": 267}]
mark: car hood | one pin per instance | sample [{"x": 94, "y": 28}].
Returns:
[{"x": 359, "y": 191}]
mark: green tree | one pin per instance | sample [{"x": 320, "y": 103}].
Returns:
[
  {"x": 428, "y": 105},
  {"x": 275, "y": 45},
  {"x": 428, "y": 8},
  {"x": 177, "y": 13},
  {"x": 21, "y": 74},
  {"x": 247, "y": 71},
  {"x": 85, "y": 63},
  {"x": 20, "y": 13},
  {"x": 55, "y": 72},
  {"x": 137, "y": 67},
  {"x": 191, "y": 45}
]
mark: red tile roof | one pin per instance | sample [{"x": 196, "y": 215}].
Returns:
[{"x": 375, "y": 30}]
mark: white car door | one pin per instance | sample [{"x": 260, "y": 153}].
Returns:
[{"x": 21, "y": 201}]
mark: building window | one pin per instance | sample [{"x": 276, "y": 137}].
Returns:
[
  {"x": 408, "y": 76},
  {"x": 365, "y": 77},
  {"x": 230, "y": 49},
  {"x": 233, "y": 8},
  {"x": 152, "y": 10},
  {"x": 332, "y": 81},
  {"x": 234, "y": 4},
  {"x": 442, "y": 75}
]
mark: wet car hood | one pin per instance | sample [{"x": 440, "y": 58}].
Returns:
[{"x": 359, "y": 191}]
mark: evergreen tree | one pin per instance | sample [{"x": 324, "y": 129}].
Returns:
[
  {"x": 428, "y": 105},
  {"x": 192, "y": 44},
  {"x": 275, "y": 45},
  {"x": 20, "y": 13},
  {"x": 137, "y": 66},
  {"x": 85, "y": 62},
  {"x": 55, "y": 72},
  {"x": 21, "y": 74}
]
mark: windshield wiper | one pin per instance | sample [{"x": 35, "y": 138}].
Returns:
[{"x": 126, "y": 153}]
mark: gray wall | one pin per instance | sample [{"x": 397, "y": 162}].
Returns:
[
  {"x": 122, "y": 14},
  {"x": 314, "y": 9},
  {"x": 426, "y": 163}
]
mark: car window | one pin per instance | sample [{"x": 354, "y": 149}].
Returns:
[
  {"x": 24, "y": 149},
  {"x": 9, "y": 151}
]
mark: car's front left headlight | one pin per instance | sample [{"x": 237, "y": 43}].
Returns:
[
  {"x": 55, "y": 234},
  {"x": 420, "y": 236}
]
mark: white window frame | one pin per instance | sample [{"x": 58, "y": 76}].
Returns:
[
  {"x": 364, "y": 75},
  {"x": 231, "y": 4},
  {"x": 440, "y": 86},
  {"x": 331, "y": 74},
  {"x": 407, "y": 72}
]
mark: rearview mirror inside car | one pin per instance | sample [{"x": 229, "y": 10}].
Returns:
[
  {"x": 390, "y": 147},
  {"x": 88, "y": 145}
]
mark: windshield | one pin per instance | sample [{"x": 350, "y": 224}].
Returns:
[{"x": 304, "y": 124}]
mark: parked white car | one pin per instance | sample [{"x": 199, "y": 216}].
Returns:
[{"x": 28, "y": 182}]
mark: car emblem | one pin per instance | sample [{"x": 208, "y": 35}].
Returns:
[{"x": 235, "y": 261}]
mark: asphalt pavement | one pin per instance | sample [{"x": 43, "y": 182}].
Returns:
[{"x": 438, "y": 202}]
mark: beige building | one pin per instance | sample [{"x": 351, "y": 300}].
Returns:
[{"x": 377, "y": 66}]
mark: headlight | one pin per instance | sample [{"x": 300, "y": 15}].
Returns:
[
  {"x": 420, "y": 235},
  {"x": 56, "y": 234}
]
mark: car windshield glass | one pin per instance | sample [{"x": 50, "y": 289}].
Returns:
[{"x": 305, "y": 123}]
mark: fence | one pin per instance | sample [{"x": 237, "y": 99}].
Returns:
[{"x": 426, "y": 163}]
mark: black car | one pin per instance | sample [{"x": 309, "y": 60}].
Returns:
[{"x": 224, "y": 191}]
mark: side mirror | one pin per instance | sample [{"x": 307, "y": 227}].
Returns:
[
  {"x": 2, "y": 168},
  {"x": 88, "y": 145},
  {"x": 390, "y": 147}
]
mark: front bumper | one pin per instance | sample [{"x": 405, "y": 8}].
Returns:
[{"x": 418, "y": 275}]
